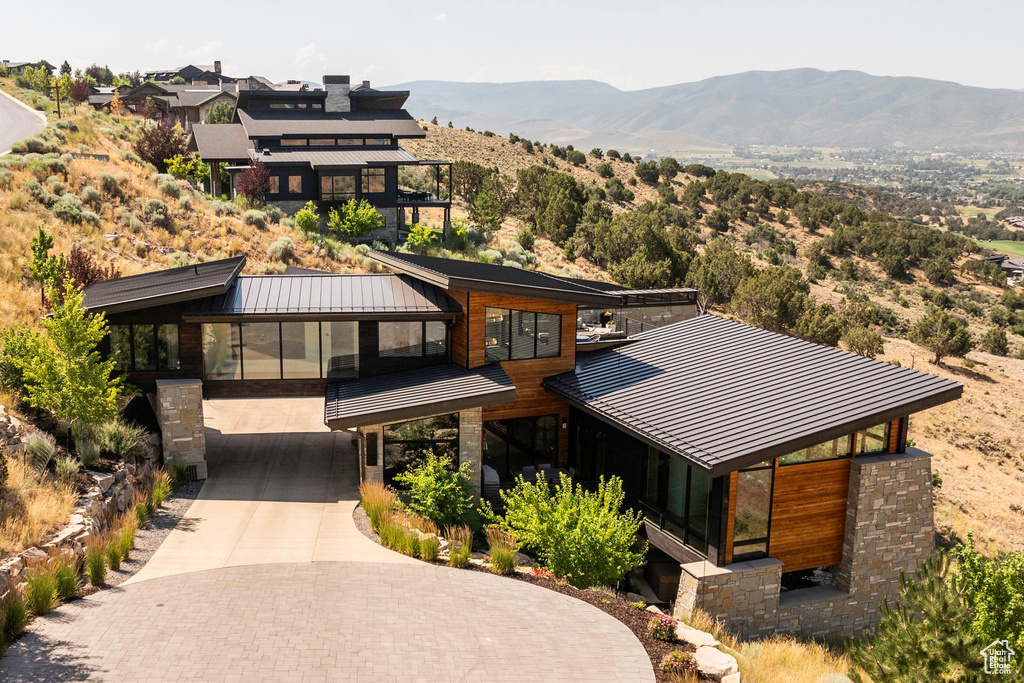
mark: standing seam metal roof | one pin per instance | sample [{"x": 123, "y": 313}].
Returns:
[
  {"x": 271, "y": 122},
  {"x": 163, "y": 286},
  {"x": 325, "y": 158},
  {"x": 326, "y": 294},
  {"x": 726, "y": 395}
]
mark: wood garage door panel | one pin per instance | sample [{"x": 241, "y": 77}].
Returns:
[{"x": 809, "y": 514}]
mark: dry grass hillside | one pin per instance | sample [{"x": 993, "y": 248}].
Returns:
[{"x": 977, "y": 442}]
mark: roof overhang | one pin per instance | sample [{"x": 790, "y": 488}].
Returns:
[
  {"x": 414, "y": 395},
  {"x": 492, "y": 286}
]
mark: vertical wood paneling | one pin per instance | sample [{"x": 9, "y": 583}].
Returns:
[
  {"x": 731, "y": 523},
  {"x": 809, "y": 514},
  {"x": 894, "y": 437},
  {"x": 460, "y": 330}
]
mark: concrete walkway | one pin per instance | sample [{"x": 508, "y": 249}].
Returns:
[
  {"x": 328, "y": 621},
  {"x": 281, "y": 488}
]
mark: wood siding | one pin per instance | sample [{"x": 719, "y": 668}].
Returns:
[
  {"x": 731, "y": 517},
  {"x": 809, "y": 514},
  {"x": 894, "y": 437},
  {"x": 531, "y": 398}
]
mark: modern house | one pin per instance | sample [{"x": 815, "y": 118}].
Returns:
[
  {"x": 328, "y": 146},
  {"x": 774, "y": 475},
  {"x": 202, "y": 74},
  {"x": 183, "y": 104},
  {"x": 1013, "y": 267}
]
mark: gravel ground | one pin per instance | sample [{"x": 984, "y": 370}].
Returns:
[{"x": 149, "y": 537}]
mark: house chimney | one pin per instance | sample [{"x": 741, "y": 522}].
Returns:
[
  {"x": 337, "y": 88},
  {"x": 216, "y": 66},
  {"x": 366, "y": 84}
]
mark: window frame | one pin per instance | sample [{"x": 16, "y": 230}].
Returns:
[
  {"x": 508, "y": 314},
  {"x": 132, "y": 366},
  {"x": 424, "y": 345},
  {"x": 322, "y": 373},
  {"x": 364, "y": 180},
  {"x": 835, "y": 450},
  {"x": 509, "y": 441},
  {"x": 659, "y": 504},
  {"x": 334, "y": 195},
  {"x": 298, "y": 179},
  {"x": 766, "y": 539},
  {"x": 294, "y": 142},
  {"x": 275, "y": 184}
]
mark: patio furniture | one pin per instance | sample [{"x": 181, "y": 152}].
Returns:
[
  {"x": 544, "y": 466},
  {"x": 491, "y": 483},
  {"x": 571, "y": 472}
]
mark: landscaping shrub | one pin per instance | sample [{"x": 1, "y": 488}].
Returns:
[
  {"x": 255, "y": 218},
  {"x": 130, "y": 156},
  {"x": 282, "y": 249},
  {"x": 88, "y": 451},
  {"x": 169, "y": 187},
  {"x": 161, "y": 488},
  {"x": 274, "y": 213},
  {"x": 90, "y": 195},
  {"x": 307, "y": 219},
  {"x": 95, "y": 560},
  {"x": 114, "y": 551},
  {"x": 15, "y": 613},
  {"x": 155, "y": 212},
  {"x": 40, "y": 589},
  {"x": 67, "y": 468},
  {"x": 437, "y": 492},
  {"x": 429, "y": 547},
  {"x": 502, "y": 547},
  {"x": 525, "y": 239},
  {"x": 56, "y": 186},
  {"x": 68, "y": 210},
  {"x": 65, "y": 572},
  {"x": 460, "y": 545},
  {"x": 121, "y": 439},
  {"x": 662, "y": 627},
  {"x": 580, "y": 534},
  {"x": 179, "y": 473},
  {"x": 354, "y": 218},
  {"x": 108, "y": 185},
  {"x": 6, "y": 178},
  {"x": 678, "y": 662},
  {"x": 224, "y": 208},
  {"x": 40, "y": 448},
  {"x": 376, "y": 499}
]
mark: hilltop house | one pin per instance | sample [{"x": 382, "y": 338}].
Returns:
[
  {"x": 1013, "y": 267},
  {"x": 183, "y": 104},
  {"x": 327, "y": 146},
  {"x": 778, "y": 490},
  {"x": 203, "y": 74}
]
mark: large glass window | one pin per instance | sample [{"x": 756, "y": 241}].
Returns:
[
  {"x": 678, "y": 493},
  {"x": 373, "y": 180},
  {"x": 411, "y": 339},
  {"x": 827, "y": 450},
  {"x": 337, "y": 188},
  {"x": 295, "y": 184},
  {"x": 753, "y": 512},
  {"x": 407, "y": 443},
  {"x": 222, "y": 351},
  {"x": 350, "y": 142},
  {"x": 261, "y": 350},
  {"x": 145, "y": 347},
  {"x": 275, "y": 184},
  {"x": 378, "y": 142},
  {"x": 436, "y": 338},
  {"x": 873, "y": 439},
  {"x": 520, "y": 335},
  {"x": 340, "y": 348},
  {"x": 300, "y": 350},
  {"x": 321, "y": 142},
  {"x": 293, "y": 142},
  {"x": 511, "y": 445}
]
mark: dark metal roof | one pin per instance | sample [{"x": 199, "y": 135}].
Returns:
[
  {"x": 272, "y": 122},
  {"x": 485, "y": 277},
  {"x": 221, "y": 141},
  {"x": 163, "y": 286},
  {"x": 416, "y": 394},
  {"x": 324, "y": 158},
  {"x": 725, "y": 395},
  {"x": 326, "y": 295}
]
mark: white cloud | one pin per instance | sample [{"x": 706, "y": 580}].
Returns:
[
  {"x": 307, "y": 54},
  {"x": 442, "y": 17},
  {"x": 203, "y": 53},
  {"x": 158, "y": 46}
]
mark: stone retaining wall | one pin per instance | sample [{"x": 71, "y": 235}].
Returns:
[
  {"x": 93, "y": 514},
  {"x": 180, "y": 406}
]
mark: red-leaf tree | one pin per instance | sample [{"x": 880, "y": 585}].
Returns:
[
  {"x": 254, "y": 182},
  {"x": 79, "y": 92},
  {"x": 161, "y": 143}
]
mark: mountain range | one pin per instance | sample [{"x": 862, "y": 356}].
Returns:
[{"x": 796, "y": 107}]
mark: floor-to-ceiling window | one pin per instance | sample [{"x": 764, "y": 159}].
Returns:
[
  {"x": 287, "y": 350},
  {"x": 511, "y": 445},
  {"x": 753, "y": 512},
  {"x": 407, "y": 443},
  {"x": 141, "y": 347},
  {"x": 676, "y": 496}
]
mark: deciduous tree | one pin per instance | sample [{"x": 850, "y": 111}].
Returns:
[{"x": 943, "y": 334}]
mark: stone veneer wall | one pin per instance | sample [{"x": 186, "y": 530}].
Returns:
[
  {"x": 180, "y": 412},
  {"x": 889, "y": 528}
]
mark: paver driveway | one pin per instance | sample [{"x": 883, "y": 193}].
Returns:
[
  {"x": 266, "y": 578},
  {"x": 281, "y": 488}
]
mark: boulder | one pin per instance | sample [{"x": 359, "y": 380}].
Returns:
[
  {"x": 12, "y": 566},
  {"x": 103, "y": 481},
  {"x": 119, "y": 476},
  {"x": 694, "y": 636},
  {"x": 67, "y": 534},
  {"x": 654, "y": 609},
  {"x": 714, "y": 663},
  {"x": 33, "y": 556},
  {"x": 523, "y": 560},
  {"x": 731, "y": 678}
]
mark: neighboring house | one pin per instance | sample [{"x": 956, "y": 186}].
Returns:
[
  {"x": 203, "y": 74},
  {"x": 184, "y": 104},
  {"x": 19, "y": 67},
  {"x": 1013, "y": 267},
  {"x": 327, "y": 146},
  {"x": 778, "y": 489}
]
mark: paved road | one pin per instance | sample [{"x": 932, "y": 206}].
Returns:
[
  {"x": 328, "y": 621},
  {"x": 17, "y": 122}
]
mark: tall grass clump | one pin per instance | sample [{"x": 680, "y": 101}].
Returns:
[
  {"x": 42, "y": 503},
  {"x": 430, "y": 546},
  {"x": 15, "y": 613},
  {"x": 460, "y": 545},
  {"x": 122, "y": 439},
  {"x": 161, "y": 488},
  {"x": 113, "y": 550},
  {"x": 179, "y": 473},
  {"x": 67, "y": 468},
  {"x": 65, "y": 571},
  {"x": 503, "y": 549},
  {"x": 95, "y": 560},
  {"x": 88, "y": 452},
  {"x": 40, "y": 448},
  {"x": 782, "y": 659},
  {"x": 125, "y": 538},
  {"x": 376, "y": 499},
  {"x": 41, "y": 589},
  {"x": 140, "y": 508}
]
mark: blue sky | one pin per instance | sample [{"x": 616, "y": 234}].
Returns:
[{"x": 631, "y": 44}]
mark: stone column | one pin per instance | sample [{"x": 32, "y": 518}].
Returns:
[
  {"x": 180, "y": 403},
  {"x": 889, "y": 527},
  {"x": 371, "y": 468},
  {"x": 471, "y": 424},
  {"x": 744, "y": 596}
]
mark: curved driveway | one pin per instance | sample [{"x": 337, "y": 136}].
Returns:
[
  {"x": 328, "y": 621},
  {"x": 17, "y": 121}
]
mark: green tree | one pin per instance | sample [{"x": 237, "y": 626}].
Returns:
[
  {"x": 436, "y": 491},
  {"x": 354, "y": 218},
  {"x": 420, "y": 238},
  {"x": 492, "y": 203},
  {"x": 65, "y": 375},
  {"x": 642, "y": 271},
  {"x": 822, "y": 325},
  {"x": 718, "y": 271},
  {"x": 647, "y": 172},
  {"x": 864, "y": 341},
  {"x": 942, "y": 333},
  {"x": 995, "y": 342},
  {"x": 772, "y": 299},
  {"x": 188, "y": 167},
  {"x": 220, "y": 113},
  {"x": 994, "y": 590},
  {"x": 669, "y": 168},
  {"x": 582, "y": 535},
  {"x": 306, "y": 219},
  {"x": 44, "y": 267},
  {"x": 718, "y": 220}
]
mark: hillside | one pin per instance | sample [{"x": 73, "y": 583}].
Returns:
[
  {"x": 798, "y": 107},
  {"x": 977, "y": 441}
]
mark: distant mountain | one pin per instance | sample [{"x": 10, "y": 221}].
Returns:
[{"x": 798, "y": 107}]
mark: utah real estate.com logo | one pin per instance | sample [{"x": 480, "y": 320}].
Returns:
[{"x": 998, "y": 657}]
